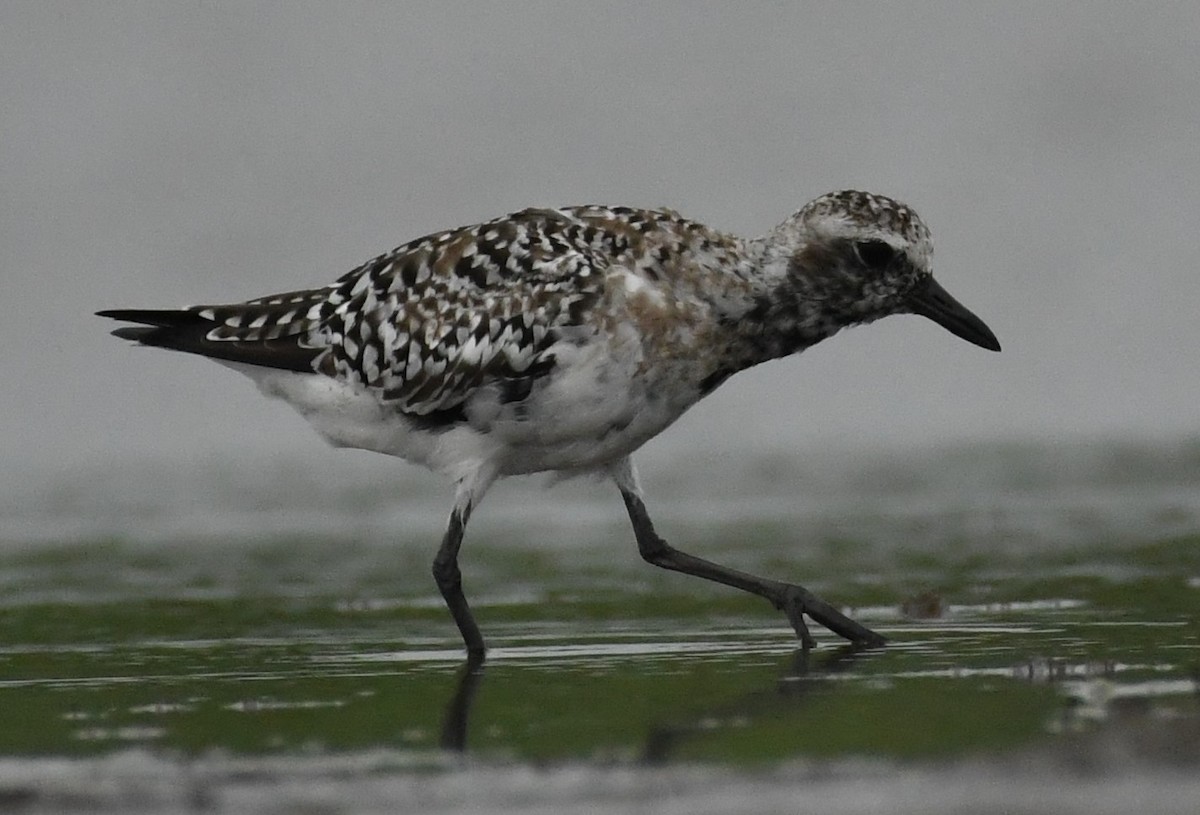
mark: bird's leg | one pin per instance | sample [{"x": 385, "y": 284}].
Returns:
[
  {"x": 794, "y": 600},
  {"x": 445, "y": 564}
]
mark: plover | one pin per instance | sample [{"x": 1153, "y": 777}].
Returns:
[{"x": 564, "y": 339}]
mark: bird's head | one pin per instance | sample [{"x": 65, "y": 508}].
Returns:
[{"x": 863, "y": 256}]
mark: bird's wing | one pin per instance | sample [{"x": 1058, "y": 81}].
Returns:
[
  {"x": 424, "y": 324},
  {"x": 459, "y": 310}
]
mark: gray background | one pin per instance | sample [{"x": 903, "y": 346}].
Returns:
[{"x": 168, "y": 154}]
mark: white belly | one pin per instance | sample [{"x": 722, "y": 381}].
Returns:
[{"x": 592, "y": 410}]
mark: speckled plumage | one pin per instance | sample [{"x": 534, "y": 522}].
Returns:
[{"x": 561, "y": 339}]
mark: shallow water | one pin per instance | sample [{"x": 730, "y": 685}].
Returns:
[{"x": 206, "y": 638}]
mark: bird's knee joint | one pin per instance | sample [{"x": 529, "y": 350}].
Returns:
[{"x": 655, "y": 550}]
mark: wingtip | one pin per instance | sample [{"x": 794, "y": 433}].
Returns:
[
  {"x": 160, "y": 318},
  {"x": 129, "y": 315},
  {"x": 132, "y": 315}
]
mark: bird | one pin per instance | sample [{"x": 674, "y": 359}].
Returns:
[{"x": 562, "y": 340}]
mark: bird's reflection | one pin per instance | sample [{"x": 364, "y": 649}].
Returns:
[
  {"x": 458, "y": 711},
  {"x": 803, "y": 671}
]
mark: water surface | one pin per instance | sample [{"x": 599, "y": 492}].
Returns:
[{"x": 199, "y": 639}]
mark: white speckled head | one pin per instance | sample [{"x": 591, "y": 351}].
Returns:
[
  {"x": 852, "y": 257},
  {"x": 863, "y": 216}
]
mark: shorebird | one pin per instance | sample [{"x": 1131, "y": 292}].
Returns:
[{"x": 564, "y": 339}]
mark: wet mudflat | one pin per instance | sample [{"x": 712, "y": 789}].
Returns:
[{"x": 1044, "y": 651}]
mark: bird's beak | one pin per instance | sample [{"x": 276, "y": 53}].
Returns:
[{"x": 930, "y": 300}]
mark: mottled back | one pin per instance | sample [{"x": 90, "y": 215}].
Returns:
[{"x": 435, "y": 318}]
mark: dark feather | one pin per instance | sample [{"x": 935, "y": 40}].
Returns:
[{"x": 186, "y": 330}]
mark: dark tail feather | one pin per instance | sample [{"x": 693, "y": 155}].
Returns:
[
  {"x": 136, "y": 334},
  {"x": 163, "y": 318},
  {"x": 188, "y": 331}
]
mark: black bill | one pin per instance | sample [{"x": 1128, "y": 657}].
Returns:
[{"x": 930, "y": 300}]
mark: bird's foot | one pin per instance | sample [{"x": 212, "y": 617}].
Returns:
[{"x": 797, "y": 601}]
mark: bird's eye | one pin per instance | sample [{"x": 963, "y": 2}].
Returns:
[{"x": 874, "y": 254}]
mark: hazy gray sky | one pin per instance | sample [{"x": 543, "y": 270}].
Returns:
[{"x": 163, "y": 154}]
